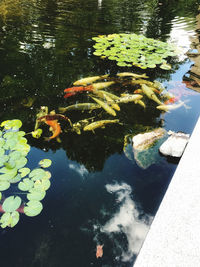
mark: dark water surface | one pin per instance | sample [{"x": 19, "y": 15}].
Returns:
[{"x": 98, "y": 193}]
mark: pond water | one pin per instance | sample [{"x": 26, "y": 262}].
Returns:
[{"x": 99, "y": 194}]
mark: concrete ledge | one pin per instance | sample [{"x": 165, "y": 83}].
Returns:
[{"x": 174, "y": 236}]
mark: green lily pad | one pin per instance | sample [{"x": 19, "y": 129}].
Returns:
[
  {"x": 24, "y": 172},
  {"x": 15, "y": 179},
  {"x": 21, "y": 162},
  {"x": 15, "y": 155},
  {"x": 26, "y": 184},
  {"x": 33, "y": 208},
  {"x": 9, "y": 219},
  {"x": 37, "y": 133},
  {"x": 37, "y": 174},
  {"x": 42, "y": 185},
  {"x": 36, "y": 195},
  {"x": 14, "y": 124},
  {"x": 11, "y": 203},
  {"x": 45, "y": 163},
  {"x": 4, "y": 185},
  {"x": 8, "y": 173}
]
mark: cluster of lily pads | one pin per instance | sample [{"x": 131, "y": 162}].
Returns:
[
  {"x": 32, "y": 183},
  {"x": 134, "y": 50}
]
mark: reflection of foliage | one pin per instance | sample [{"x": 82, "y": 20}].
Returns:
[
  {"x": 13, "y": 152},
  {"x": 132, "y": 49}
]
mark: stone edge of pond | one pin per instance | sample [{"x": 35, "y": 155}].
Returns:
[{"x": 174, "y": 236}]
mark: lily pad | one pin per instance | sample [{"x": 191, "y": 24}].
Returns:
[
  {"x": 37, "y": 133},
  {"x": 37, "y": 174},
  {"x": 33, "y": 208},
  {"x": 42, "y": 185},
  {"x": 4, "y": 185},
  {"x": 14, "y": 124},
  {"x": 36, "y": 195},
  {"x": 24, "y": 171},
  {"x": 11, "y": 203},
  {"x": 9, "y": 219},
  {"x": 45, "y": 163},
  {"x": 26, "y": 184}
]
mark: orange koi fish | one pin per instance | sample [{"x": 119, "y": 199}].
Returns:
[
  {"x": 171, "y": 100},
  {"x": 77, "y": 89},
  {"x": 55, "y": 126},
  {"x": 99, "y": 252}
]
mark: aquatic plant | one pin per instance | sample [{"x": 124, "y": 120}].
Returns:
[
  {"x": 33, "y": 183},
  {"x": 134, "y": 50}
]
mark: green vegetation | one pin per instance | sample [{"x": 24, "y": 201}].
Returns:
[
  {"x": 33, "y": 184},
  {"x": 134, "y": 50}
]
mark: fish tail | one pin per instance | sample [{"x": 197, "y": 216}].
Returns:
[{"x": 69, "y": 94}]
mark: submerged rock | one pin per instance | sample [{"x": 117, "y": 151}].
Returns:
[
  {"x": 146, "y": 140},
  {"x": 175, "y": 145},
  {"x": 144, "y": 149}
]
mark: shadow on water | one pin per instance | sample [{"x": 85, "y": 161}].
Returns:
[{"x": 99, "y": 195}]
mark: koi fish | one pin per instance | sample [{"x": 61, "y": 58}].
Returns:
[
  {"x": 79, "y": 106},
  {"x": 171, "y": 100},
  {"x": 99, "y": 252},
  {"x": 50, "y": 117},
  {"x": 105, "y": 106},
  {"x": 88, "y": 80},
  {"x": 98, "y": 86},
  {"x": 141, "y": 103},
  {"x": 138, "y": 91},
  {"x": 99, "y": 124},
  {"x": 129, "y": 98},
  {"x": 124, "y": 74},
  {"x": 107, "y": 96},
  {"x": 167, "y": 108},
  {"x": 54, "y": 127},
  {"x": 150, "y": 94},
  {"x": 76, "y": 89}
]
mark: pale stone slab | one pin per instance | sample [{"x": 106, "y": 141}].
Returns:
[{"x": 174, "y": 237}]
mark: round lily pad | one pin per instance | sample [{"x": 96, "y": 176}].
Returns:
[
  {"x": 37, "y": 133},
  {"x": 26, "y": 184},
  {"x": 9, "y": 219},
  {"x": 24, "y": 171},
  {"x": 37, "y": 174},
  {"x": 36, "y": 195},
  {"x": 42, "y": 185},
  {"x": 33, "y": 208},
  {"x": 45, "y": 163},
  {"x": 11, "y": 203},
  {"x": 14, "y": 124},
  {"x": 4, "y": 185}
]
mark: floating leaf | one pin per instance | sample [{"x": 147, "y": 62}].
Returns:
[
  {"x": 26, "y": 184},
  {"x": 4, "y": 185},
  {"x": 11, "y": 204},
  {"x": 45, "y": 163},
  {"x": 37, "y": 133},
  {"x": 35, "y": 194},
  {"x": 14, "y": 124},
  {"x": 16, "y": 179},
  {"x": 37, "y": 174},
  {"x": 24, "y": 171},
  {"x": 33, "y": 208},
  {"x": 42, "y": 185},
  {"x": 9, "y": 219},
  {"x": 0, "y": 196},
  {"x": 165, "y": 66}
]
